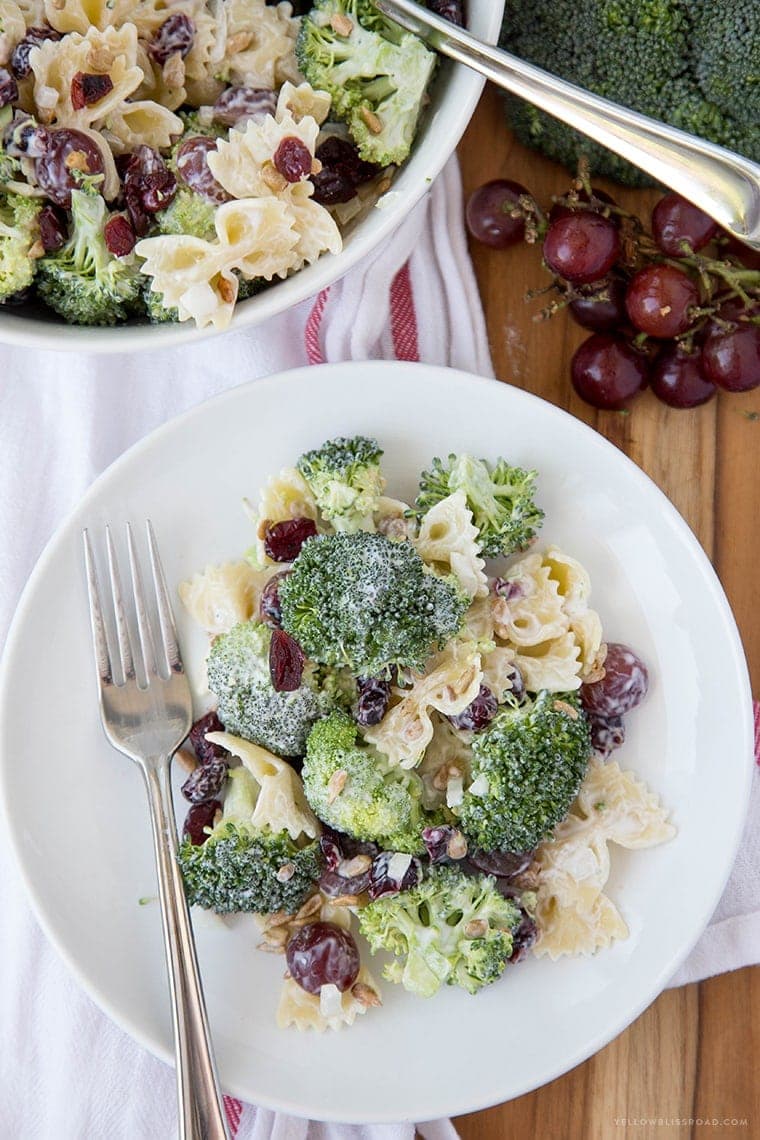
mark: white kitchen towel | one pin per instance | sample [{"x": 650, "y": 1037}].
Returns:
[{"x": 66, "y": 1072}]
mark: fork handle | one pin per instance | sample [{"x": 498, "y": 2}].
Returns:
[{"x": 201, "y": 1109}]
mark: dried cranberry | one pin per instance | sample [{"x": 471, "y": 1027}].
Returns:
[
  {"x": 270, "y": 610},
  {"x": 176, "y": 34},
  {"x": 237, "y": 105},
  {"x": 119, "y": 235},
  {"x": 52, "y": 229},
  {"x": 197, "y": 819},
  {"x": 444, "y": 843},
  {"x": 68, "y": 151},
  {"x": 20, "y": 65},
  {"x": 293, "y": 159},
  {"x": 322, "y": 954},
  {"x": 286, "y": 661},
  {"x": 205, "y": 782},
  {"x": 623, "y": 686},
  {"x": 204, "y": 749},
  {"x": 347, "y": 867},
  {"x": 87, "y": 88},
  {"x": 503, "y": 588},
  {"x": 523, "y": 938},
  {"x": 501, "y": 864},
  {"x": 149, "y": 185},
  {"x": 374, "y": 697},
  {"x": 452, "y": 10},
  {"x": 342, "y": 171},
  {"x": 607, "y": 733},
  {"x": 478, "y": 713},
  {"x": 8, "y": 88},
  {"x": 382, "y": 882},
  {"x": 283, "y": 540},
  {"x": 193, "y": 168}
]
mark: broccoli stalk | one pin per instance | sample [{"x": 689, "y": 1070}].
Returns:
[
  {"x": 83, "y": 282},
  {"x": 249, "y": 705},
  {"x": 18, "y": 233},
  {"x": 452, "y": 928},
  {"x": 501, "y": 500},
  {"x": 345, "y": 478},
  {"x": 364, "y": 601},
  {"x": 375, "y": 72},
  {"x": 694, "y": 65},
  {"x": 527, "y": 767},
  {"x": 352, "y": 788},
  {"x": 245, "y": 868}
]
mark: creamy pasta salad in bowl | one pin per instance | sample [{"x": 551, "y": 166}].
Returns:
[
  {"x": 460, "y": 797},
  {"x": 185, "y": 166}
]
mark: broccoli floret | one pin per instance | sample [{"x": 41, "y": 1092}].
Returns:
[
  {"x": 245, "y": 868},
  {"x": 188, "y": 213},
  {"x": 364, "y": 601},
  {"x": 249, "y": 705},
  {"x": 351, "y": 787},
  {"x": 527, "y": 767},
  {"x": 500, "y": 498},
  {"x": 693, "y": 65},
  {"x": 18, "y": 233},
  {"x": 375, "y": 72},
  {"x": 452, "y": 928},
  {"x": 83, "y": 282},
  {"x": 345, "y": 477}
]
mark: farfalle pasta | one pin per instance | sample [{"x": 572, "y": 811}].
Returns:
[
  {"x": 112, "y": 53},
  {"x": 447, "y": 541},
  {"x": 221, "y": 596},
  {"x": 258, "y": 43}
]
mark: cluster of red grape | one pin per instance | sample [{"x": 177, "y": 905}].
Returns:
[{"x": 663, "y": 312}]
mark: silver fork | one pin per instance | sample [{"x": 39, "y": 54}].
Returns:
[{"x": 146, "y": 710}]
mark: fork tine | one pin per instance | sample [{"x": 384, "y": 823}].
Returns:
[
  {"x": 122, "y": 629},
  {"x": 99, "y": 641},
  {"x": 143, "y": 623},
  {"x": 165, "y": 614}
]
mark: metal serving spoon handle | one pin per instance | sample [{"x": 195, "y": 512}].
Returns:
[{"x": 724, "y": 185}]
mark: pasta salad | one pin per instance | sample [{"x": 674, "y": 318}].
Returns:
[
  {"x": 167, "y": 158},
  {"x": 411, "y": 744}
]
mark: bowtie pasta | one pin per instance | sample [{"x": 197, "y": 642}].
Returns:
[
  {"x": 451, "y": 796},
  {"x": 227, "y": 147}
]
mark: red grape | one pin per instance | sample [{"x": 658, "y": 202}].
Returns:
[
  {"x": 69, "y": 152},
  {"x": 603, "y": 309},
  {"x": 678, "y": 380},
  {"x": 322, "y": 954},
  {"x": 674, "y": 221},
  {"x": 623, "y": 686},
  {"x": 581, "y": 247},
  {"x": 659, "y": 300},
  {"x": 193, "y": 167},
  {"x": 489, "y": 213},
  {"x": 608, "y": 372},
  {"x": 731, "y": 359}
]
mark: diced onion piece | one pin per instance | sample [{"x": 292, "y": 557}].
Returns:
[
  {"x": 330, "y": 1000},
  {"x": 479, "y": 786},
  {"x": 398, "y": 865}
]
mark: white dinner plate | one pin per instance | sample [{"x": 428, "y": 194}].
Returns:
[{"x": 77, "y": 814}]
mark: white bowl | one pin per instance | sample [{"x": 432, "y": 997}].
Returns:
[
  {"x": 454, "y": 95},
  {"x": 76, "y": 811}
]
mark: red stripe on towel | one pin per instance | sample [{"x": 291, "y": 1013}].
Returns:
[
  {"x": 234, "y": 1110},
  {"x": 314, "y": 352},
  {"x": 404, "y": 317}
]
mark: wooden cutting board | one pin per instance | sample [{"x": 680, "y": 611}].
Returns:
[{"x": 694, "y": 1053}]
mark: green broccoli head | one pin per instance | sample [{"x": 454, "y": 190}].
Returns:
[
  {"x": 375, "y": 72},
  {"x": 452, "y": 928},
  {"x": 527, "y": 767},
  {"x": 245, "y": 868},
  {"x": 501, "y": 499},
  {"x": 188, "y": 213},
  {"x": 345, "y": 478},
  {"x": 351, "y": 788},
  {"x": 364, "y": 601},
  {"x": 83, "y": 282},
  {"x": 692, "y": 65},
  {"x": 249, "y": 705},
  {"x": 18, "y": 233}
]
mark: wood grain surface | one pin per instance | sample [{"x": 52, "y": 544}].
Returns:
[{"x": 694, "y": 1053}]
